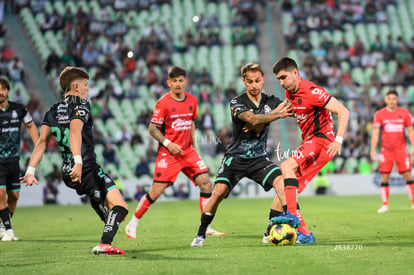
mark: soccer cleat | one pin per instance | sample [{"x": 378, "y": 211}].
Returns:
[
  {"x": 412, "y": 207},
  {"x": 265, "y": 239},
  {"x": 383, "y": 209},
  {"x": 9, "y": 236},
  {"x": 288, "y": 218},
  {"x": 2, "y": 230},
  {"x": 131, "y": 231},
  {"x": 107, "y": 249},
  {"x": 212, "y": 232},
  {"x": 305, "y": 239},
  {"x": 198, "y": 241}
]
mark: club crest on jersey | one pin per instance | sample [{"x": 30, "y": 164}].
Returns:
[
  {"x": 14, "y": 114},
  {"x": 267, "y": 109},
  {"x": 300, "y": 101}
]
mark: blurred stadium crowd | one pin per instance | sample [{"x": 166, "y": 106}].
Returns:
[{"x": 355, "y": 49}]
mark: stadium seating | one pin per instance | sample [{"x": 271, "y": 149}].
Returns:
[{"x": 222, "y": 61}]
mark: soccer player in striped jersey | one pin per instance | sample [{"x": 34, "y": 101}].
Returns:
[
  {"x": 392, "y": 121},
  {"x": 172, "y": 125},
  {"x": 312, "y": 108},
  {"x": 251, "y": 112},
  {"x": 12, "y": 116},
  {"x": 70, "y": 122}
]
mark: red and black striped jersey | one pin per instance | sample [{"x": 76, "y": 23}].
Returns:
[{"x": 308, "y": 104}]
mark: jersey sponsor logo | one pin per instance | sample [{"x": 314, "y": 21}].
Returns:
[
  {"x": 322, "y": 95},
  {"x": 181, "y": 115},
  {"x": 394, "y": 128},
  {"x": 10, "y": 129},
  {"x": 162, "y": 164},
  {"x": 181, "y": 124},
  {"x": 301, "y": 118},
  {"x": 156, "y": 110}
]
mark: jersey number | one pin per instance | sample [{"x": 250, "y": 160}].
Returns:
[{"x": 61, "y": 138}]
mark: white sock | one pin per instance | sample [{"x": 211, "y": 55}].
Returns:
[{"x": 134, "y": 221}]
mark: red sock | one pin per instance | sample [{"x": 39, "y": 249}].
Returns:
[
  {"x": 410, "y": 190},
  {"x": 142, "y": 207},
  {"x": 385, "y": 193},
  {"x": 302, "y": 228},
  {"x": 291, "y": 193},
  {"x": 202, "y": 201}
]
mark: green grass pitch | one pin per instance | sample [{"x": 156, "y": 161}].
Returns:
[{"x": 351, "y": 239}]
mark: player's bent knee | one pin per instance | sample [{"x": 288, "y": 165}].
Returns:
[{"x": 289, "y": 164}]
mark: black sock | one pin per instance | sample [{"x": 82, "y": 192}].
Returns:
[
  {"x": 285, "y": 208},
  {"x": 272, "y": 213},
  {"x": 11, "y": 214},
  {"x": 5, "y": 217},
  {"x": 206, "y": 219},
  {"x": 100, "y": 209},
  {"x": 115, "y": 217}
]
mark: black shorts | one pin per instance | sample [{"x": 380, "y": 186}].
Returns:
[
  {"x": 261, "y": 170},
  {"x": 95, "y": 182},
  {"x": 9, "y": 176}
]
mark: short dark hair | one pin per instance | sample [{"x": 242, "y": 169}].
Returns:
[
  {"x": 285, "y": 63},
  {"x": 5, "y": 83},
  {"x": 70, "y": 74},
  {"x": 392, "y": 91},
  {"x": 176, "y": 71},
  {"x": 251, "y": 67}
]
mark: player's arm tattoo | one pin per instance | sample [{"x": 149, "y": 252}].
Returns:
[
  {"x": 156, "y": 133},
  {"x": 257, "y": 119}
]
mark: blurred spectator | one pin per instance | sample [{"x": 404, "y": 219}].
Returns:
[
  {"x": 16, "y": 70},
  {"x": 142, "y": 168},
  {"x": 181, "y": 193},
  {"x": 3, "y": 30},
  {"x": 321, "y": 184},
  {"x": 223, "y": 138},
  {"x": 109, "y": 155},
  {"x": 144, "y": 117},
  {"x": 33, "y": 104},
  {"x": 52, "y": 61},
  {"x": 207, "y": 120},
  {"x": 89, "y": 56},
  {"x": 157, "y": 89},
  {"x": 139, "y": 193},
  {"x": 7, "y": 53},
  {"x": 123, "y": 136},
  {"x": 17, "y": 97},
  {"x": 136, "y": 138},
  {"x": 106, "y": 112}
]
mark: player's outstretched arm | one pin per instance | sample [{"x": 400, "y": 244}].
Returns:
[
  {"x": 338, "y": 108},
  {"x": 155, "y": 132},
  {"x": 283, "y": 110},
  {"x": 37, "y": 155},
  {"x": 33, "y": 131}
]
